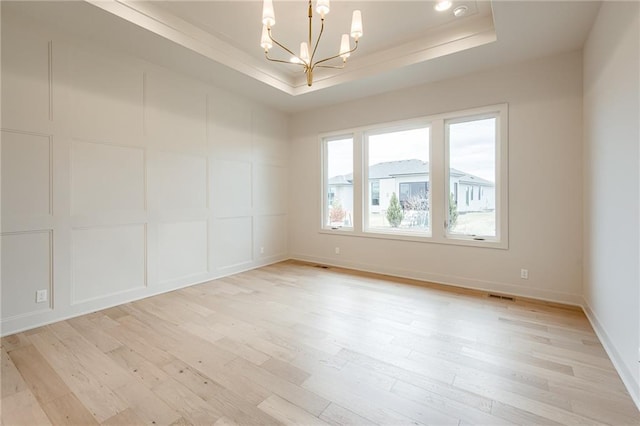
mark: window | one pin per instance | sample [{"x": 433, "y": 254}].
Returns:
[
  {"x": 375, "y": 193},
  {"x": 397, "y": 161},
  {"x": 436, "y": 179},
  {"x": 338, "y": 200},
  {"x": 472, "y": 162}
]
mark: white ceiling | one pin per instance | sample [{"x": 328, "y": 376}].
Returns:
[{"x": 405, "y": 43}]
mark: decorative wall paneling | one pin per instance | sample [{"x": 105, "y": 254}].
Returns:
[{"x": 121, "y": 179}]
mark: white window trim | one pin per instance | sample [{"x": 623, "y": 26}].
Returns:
[
  {"x": 380, "y": 130},
  {"x": 500, "y": 240},
  {"x": 324, "y": 182},
  {"x": 438, "y": 184}
]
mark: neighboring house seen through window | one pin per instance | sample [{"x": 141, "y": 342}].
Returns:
[
  {"x": 395, "y": 182},
  {"x": 338, "y": 193},
  {"x": 375, "y": 193}
]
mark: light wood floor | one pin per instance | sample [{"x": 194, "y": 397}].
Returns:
[{"x": 297, "y": 344}]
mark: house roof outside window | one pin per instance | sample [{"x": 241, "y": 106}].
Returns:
[{"x": 391, "y": 169}]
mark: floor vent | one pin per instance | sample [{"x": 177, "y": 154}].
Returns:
[{"x": 497, "y": 296}]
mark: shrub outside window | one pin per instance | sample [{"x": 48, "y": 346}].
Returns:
[{"x": 440, "y": 179}]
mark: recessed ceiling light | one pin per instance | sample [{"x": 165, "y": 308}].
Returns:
[
  {"x": 460, "y": 11},
  {"x": 443, "y": 5}
]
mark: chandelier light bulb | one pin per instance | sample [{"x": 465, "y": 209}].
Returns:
[
  {"x": 322, "y": 7},
  {"x": 304, "y": 52},
  {"x": 345, "y": 47},
  {"x": 356, "y": 25},
  {"x": 268, "y": 14},
  {"x": 265, "y": 40}
]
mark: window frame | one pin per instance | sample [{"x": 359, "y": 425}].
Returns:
[
  {"x": 377, "y": 203},
  {"x": 438, "y": 182},
  {"x": 500, "y": 113},
  {"x": 385, "y": 128},
  {"x": 324, "y": 224}
]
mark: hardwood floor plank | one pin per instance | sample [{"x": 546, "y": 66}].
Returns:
[
  {"x": 147, "y": 373},
  {"x": 192, "y": 408},
  {"x": 22, "y": 408},
  {"x": 90, "y": 357},
  {"x": 304, "y": 398},
  {"x": 11, "y": 381},
  {"x": 359, "y": 403},
  {"x": 519, "y": 416},
  {"x": 235, "y": 408},
  {"x": 14, "y": 341},
  {"x": 93, "y": 333},
  {"x": 285, "y": 371},
  {"x": 98, "y": 398},
  {"x": 379, "y": 398},
  {"x": 242, "y": 350},
  {"x": 147, "y": 405},
  {"x": 42, "y": 380},
  {"x": 465, "y": 413},
  {"x": 125, "y": 417},
  {"x": 339, "y": 416},
  {"x": 68, "y": 410},
  {"x": 288, "y": 413},
  {"x": 540, "y": 409}
]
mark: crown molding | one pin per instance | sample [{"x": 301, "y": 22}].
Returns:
[{"x": 461, "y": 35}]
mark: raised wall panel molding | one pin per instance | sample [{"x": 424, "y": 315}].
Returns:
[
  {"x": 175, "y": 115},
  {"x": 232, "y": 188},
  {"x": 183, "y": 251},
  {"x": 177, "y": 181},
  {"x": 107, "y": 261},
  {"x": 270, "y": 232},
  {"x": 27, "y": 79},
  {"x": 105, "y": 99},
  {"x": 27, "y": 266},
  {"x": 270, "y": 193},
  {"x": 233, "y": 242},
  {"x": 50, "y": 79},
  {"x": 27, "y": 174},
  {"x": 106, "y": 178}
]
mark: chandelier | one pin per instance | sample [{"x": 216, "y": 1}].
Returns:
[{"x": 304, "y": 58}]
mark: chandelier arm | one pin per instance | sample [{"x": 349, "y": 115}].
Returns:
[
  {"x": 334, "y": 57},
  {"x": 310, "y": 33},
  {"x": 317, "y": 41},
  {"x": 282, "y": 61},
  {"x": 283, "y": 47},
  {"x": 334, "y": 67}
]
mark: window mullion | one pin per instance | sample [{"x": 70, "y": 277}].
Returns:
[
  {"x": 438, "y": 181},
  {"x": 358, "y": 179}
]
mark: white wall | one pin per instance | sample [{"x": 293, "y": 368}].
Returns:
[
  {"x": 612, "y": 185},
  {"x": 545, "y": 185},
  {"x": 121, "y": 179}
]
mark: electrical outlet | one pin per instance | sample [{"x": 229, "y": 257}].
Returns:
[
  {"x": 524, "y": 274},
  {"x": 261, "y": 250},
  {"x": 337, "y": 250},
  {"x": 41, "y": 296}
]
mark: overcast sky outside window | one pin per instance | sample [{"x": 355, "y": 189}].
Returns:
[{"x": 472, "y": 149}]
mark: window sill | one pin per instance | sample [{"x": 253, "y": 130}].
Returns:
[{"x": 425, "y": 238}]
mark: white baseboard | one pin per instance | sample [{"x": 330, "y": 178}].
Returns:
[
  {"x": 633, "y": 387},
  {"x": 27, "y": 322},
  {"x": 451, "y": 280}
]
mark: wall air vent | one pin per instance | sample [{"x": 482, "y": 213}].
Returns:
[{"x": 498, "y": 296}]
